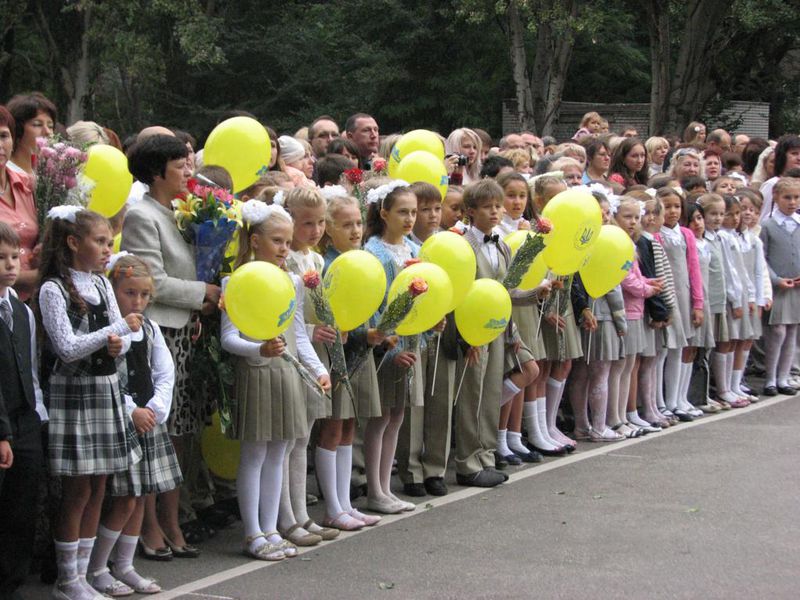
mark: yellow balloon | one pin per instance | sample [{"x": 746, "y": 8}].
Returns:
[
  {"x": 260, "y": 300},
  {"x": 485, "y": 312},
  {"x": 419, "y": 139},
  {"x": 576, "y": 219},
  {"x": 538, "y": 269},
  {"x": 424, "y": 166},
  {"x": 220, "y": 453},
  {"x": 608, "y": 261},
  {"x": 117, "y": 242},
  {"x": 241, "y": 145},
  {"x": 452, "y": 253},
  {"x": 354, "y": 284},
  {"x": 430, "y": 307},
  {"x": 106, "y": 169}
]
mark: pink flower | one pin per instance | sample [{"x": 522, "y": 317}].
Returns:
[
  {"x": 311, "y": 279},
  {"x": 70, "y": 182},
  {"x": 378, "y": 164},
  {"x": 417, "y": 287}
]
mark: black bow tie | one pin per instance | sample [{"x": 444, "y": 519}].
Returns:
[{"x": 491, "y": 238}]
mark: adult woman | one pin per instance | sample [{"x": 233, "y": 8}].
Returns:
[
  {"x": 466, "y": 142},
  {"x": 18, "y": 208},
  {"x": 344, "y": 147},
  {"x": 629, "y": 163},
  {"x": 695, "y": 132},
  {"x": 149, "y": 232},
  {"x": 787, "y": 157},
  {"x": 35, "y": 116},
  {"x": 686, "y": 163},
  {"x": 598, "y": 159},
  {"x": 87, "y": 133},
  {"x": 712, "y": 164},
  {"x": 764, "y": 166},
  {"x": 657, "y": 149}
]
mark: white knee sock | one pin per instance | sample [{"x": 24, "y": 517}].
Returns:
[
  {"x": 514, "y": 440},
  {"x": 344, "y": 469},
  {"x": 126, "y": 549},
  {"x": 502, "y": 446},
  {"x": 104, "y": 544},
  {"x": 719, "y": 364},
  {"x": 67, "y": 561},
  {"x": 736, "y": 377},
  {"x": 787, "y": 353},
  {"x": 85, "y": 546},
  {"x": 686, "y": 379},
  {"x": 510, "y": 390},
  {"x": 661, "y": 359},
  {"x": 555, "y": 389},
  {"x": 671, "y": 376},
  {"x": 534, "y": 414},
  {"x": 325, "y": 462}
]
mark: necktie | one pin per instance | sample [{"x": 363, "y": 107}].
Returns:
[
  {"x": 5, "y": 312},
  {"x": 491, "y": 238}
]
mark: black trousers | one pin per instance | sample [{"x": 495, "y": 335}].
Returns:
[{"x": 19, "y": 494}]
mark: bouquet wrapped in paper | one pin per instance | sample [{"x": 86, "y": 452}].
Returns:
[
  {"x": 527, "y": 253},
  {"x": 398, "y": 309},
  {"x": 208, "y": 220},
  {"x": 57, "y": 167}
]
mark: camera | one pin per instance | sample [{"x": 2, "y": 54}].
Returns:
[{"x": 462, "y": 160}]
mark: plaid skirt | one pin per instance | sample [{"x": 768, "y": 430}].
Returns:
[
  {"x": 89, "y": 432},
  {"x": 157, "y": 472}
]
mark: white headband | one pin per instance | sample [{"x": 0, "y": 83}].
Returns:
[
  {"x": 379, "y": 193},
  {"x": 112, "y": 262},
  {"x": 256, "y": 211},
  {"x": 330, "y": 192},
  {"x": 66, "y": 212},
  {"x": 278, "y": 198}
]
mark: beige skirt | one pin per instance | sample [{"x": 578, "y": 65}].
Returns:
[
  {"x": 319, "y": 407},
  {"x": 563, "y": 345},
  {"x": 528, "y": 325},
  {"x": 399, "y": 387},
  {"x": 367, "y": 402}
]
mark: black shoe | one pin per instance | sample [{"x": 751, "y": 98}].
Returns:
[
  {"x": 500, "y": 461},
  {"x": 356, "y": 491},
  {"x": 435, "y": 486},
  {"x": 561, "y": 451},
  {"x": 770, "y": 390},
  {"x": 216, "y": 517},
  {"x": 683, "y": 416},
  {"x": 787, "y": 390},
  {"x": 503, "y": 475},
  {"x": 197, "y": 532},
  {"x": 529, "y": 457},
  {"x": 512, "y": 459},
  {"x": 486, "y": 478},
  {"x": 416, "y": 490}
]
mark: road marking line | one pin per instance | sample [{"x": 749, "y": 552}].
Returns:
[{"x": 461, "y": 494}]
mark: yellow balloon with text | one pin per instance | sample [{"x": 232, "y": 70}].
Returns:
[
  {"x": 106, "y": 173},
  {"x": 242, "y": 146},
  {"x": 421, "y": 165},
  {"x": 485, "y": 312},
  {"x": 260, "y": 300},
  {"x": 354, "y": 284},
  {"x": 418, "y": 139},
  {"x": 608, "y": 262},
  {"x": 576, "y": 218},
  {"x": 220, "y": 453},
  {"x": 452, "y": 253},
  {"x": 429, "y": 308}
]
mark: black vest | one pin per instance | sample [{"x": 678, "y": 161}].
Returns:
[
  {"x": 15, "y": 361},
  {"x": 140, "y": 375}
]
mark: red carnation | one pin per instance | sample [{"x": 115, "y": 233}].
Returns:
[
  {"x": 354, "y": 176},
  {"x": 378, "y": 165},
  {"x": 191, "y": 184},
  {"x": 543, "y": 225},
  {"x": 311, "y": 279},
  {"x": 417, "y": 287}
]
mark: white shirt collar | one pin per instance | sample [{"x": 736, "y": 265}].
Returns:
[{"x": 782, "y": 218}]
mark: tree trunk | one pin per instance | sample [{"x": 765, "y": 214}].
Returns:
[
  {"x": 80, "y": 87},
  {"x": 519, "y": 66},
  {"x": 553, "y": 55},
  {"x": 692, "y": 86},
  {"x": 658, "y": 26}
]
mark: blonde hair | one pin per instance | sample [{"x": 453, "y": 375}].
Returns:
[
  {"x": 564, "y": 161},
  {"x": 785, "y": 183},
  {"x": 626, "y": 201},
  {"x": 518, "y": 156},
  {"x": 589, "y": 116},
  {"x": 336, "y": 204},
  {"x": 303, "y": 197},
  {"x": 710, "y": 198},
  {"x": 387, "y": 143},
  {"x": 573, "y": 151},
  {"x": 87, "y": 133},
  {"x": 247, "y": 230},
  {"x": 131, "y": 266},
  {"x": 452, "y": 145},
  {"x": 654, "y": 143}
]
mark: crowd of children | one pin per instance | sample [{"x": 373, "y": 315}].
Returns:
[{"x": 713, "y": 274}]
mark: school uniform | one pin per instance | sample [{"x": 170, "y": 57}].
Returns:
[
  {"x": 703, "y": 336},
  {"x": 564, "y": 344},
  {"x": 717, "y": 287},
  {"x": 656, "y": 306},
  {"x": 605, "y": 342},
  {"x": 740, "y": 329},
  {"x": 681, "y": 252},
  {"x": 780, "y": 235},
  {"x": 147, "y": 376},
  {"x": 755, "y": 266},
  {"x": 21, "y": 415},
  {"x": 270, "y": 396},
  {"x": 90, "y": 432},
  {"x": 635, "y": 290}
]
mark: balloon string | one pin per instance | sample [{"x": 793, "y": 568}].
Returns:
[
  {"x": 458, "y": 391},
  {"x": 383, "y": 360},
  {"x": 436, "y": 363}
]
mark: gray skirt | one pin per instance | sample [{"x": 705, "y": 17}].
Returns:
[
  {"x": 739, "y": 329},
  {"x": 513, "y": 361},
  {"x": 562, "y": 345},
  {"x": 364, "y": 383},
  {"x": 758, "y": 328},
  {"x": 157, "y": 472},
  {"x": 399, "y": 387},
  {"x": 528, "y": 324},
  {"x": 635, "y": 338},
  {"x": 652, "y": 339},
  {"x": 270, "y": 401},
  {"x": 673, "y": 336},
  {"x": 785, "y": 307},
  {"x": 603, "y": 343},
  {"x": 703, "y": 336},
  {"x": 319, "y": 407},
  {"x": 720, "y": 328}
]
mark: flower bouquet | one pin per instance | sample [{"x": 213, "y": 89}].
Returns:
[
  {"x": 527, "y": 253},
  {"x": 57, "y": 168},
  {"x": 207, "y": 218},
  {"x": 322, "y": 309},
  {"x": 305, "y": 374}
]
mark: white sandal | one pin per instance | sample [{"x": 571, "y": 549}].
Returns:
[
  {"x": 115, "y": 589},
  {"x": 266, "y": 551},
  {"x": 141, "y": 585}
]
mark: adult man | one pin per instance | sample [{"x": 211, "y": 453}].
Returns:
[
  {"x": 511, "y": 141},
  {"x": 740, "y": 140},
  {"x": 320, "y": 133},
  {"x": 363, "y": 131},
  {"x": 532, "y": 141},
  {"x": 630, "y": 132},
  {"x": 718, "y": 140}
]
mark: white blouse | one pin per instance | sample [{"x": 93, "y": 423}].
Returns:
[
  {"x": 163, "y": 372},
  {"x": 68, "y": 345},
  {"x": 235, "y": 342}
]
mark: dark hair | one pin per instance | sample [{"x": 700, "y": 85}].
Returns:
[
  {"x": 7, "y": 120},
  {"x": 350, "y": 125},
  {"x": 751, "y": 152},
  {"x": 492, "y": 165},
  {"x": 480, "y": 191},
  {"x": 113, "y": 139},
  {"x": 8, "y": 236},
  {"x": 716, "y": 136},
  {"x": 754, "y": 196},
  {"x": 330, "y": 167},
  {"x": 795, "y": 173},
  {"x": 659, "y": 181},
  {"x": 317, "y": 120},
  {"x": 375, "y": 223},
  {"x": 593, "y": 146},
  {"x": 149, "y": 157},
  {"x": 339, "y": 144},
  {"x": 57, "y": 257},
  {"x": 506, "y": 178},
  {"x": 687, "y": 214},
  {"x": 216, "y": 174},
  {"x": 785, "y": 143},
  {"x": 731, "y": 160},
  {"x": 426, "y": 192},
  {"x": 712, "y": 152},
  {"x": 618, "y": 162},
  {"x": 486, "y": 139},
  {"x": 693, "y": 181},
  {"x": 668, "y": 191},
  {"x": 185, "y": 137},
  {"x": 25, "y": 107}
]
